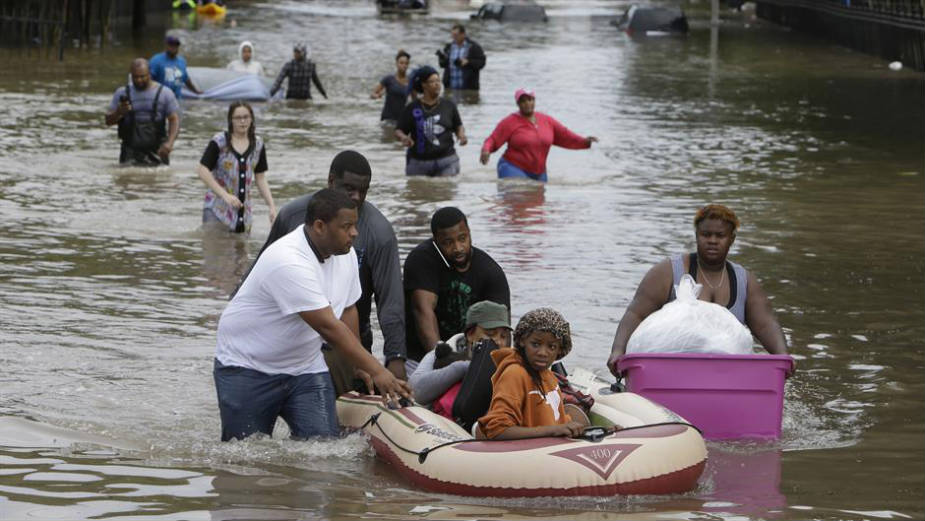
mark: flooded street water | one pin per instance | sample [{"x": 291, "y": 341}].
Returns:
[{"x": 110, "y": 293}]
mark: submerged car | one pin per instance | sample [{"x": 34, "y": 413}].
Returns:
[
  {"x": 512, "y": 11},
  {"x": 403, "y": 6},
  {"x": 652, "y": 21}
]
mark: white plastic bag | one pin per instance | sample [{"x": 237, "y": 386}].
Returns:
[{"x": 688, "y": 325}]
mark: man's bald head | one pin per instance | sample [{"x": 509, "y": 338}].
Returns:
[
  {"x": 138, "y": 64},
  {"x": 141, "y": 75}
]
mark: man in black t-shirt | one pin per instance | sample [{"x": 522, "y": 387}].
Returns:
[{"x": 443, "y": 276}]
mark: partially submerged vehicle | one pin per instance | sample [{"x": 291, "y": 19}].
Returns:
[
  {"x": 403, "y": 6},
  {"x": 512, "y": 11},
  {"x": 652, "y": 21}
]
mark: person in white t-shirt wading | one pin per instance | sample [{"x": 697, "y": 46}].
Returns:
[{"x": 301, "y": 293}]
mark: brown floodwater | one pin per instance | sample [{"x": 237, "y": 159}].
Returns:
[{"x": 110, "y": 292}]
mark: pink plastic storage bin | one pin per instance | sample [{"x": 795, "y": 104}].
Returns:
[{"x": 725, "y": 396}]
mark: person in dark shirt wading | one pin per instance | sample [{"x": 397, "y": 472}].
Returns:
[
  {"x": 301, "y": 73},
  {"x": 148, "y": 118}
]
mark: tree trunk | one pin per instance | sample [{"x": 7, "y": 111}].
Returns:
[
  {"x": 62, "y": 29},
  {"x": 138, "y": 14}
]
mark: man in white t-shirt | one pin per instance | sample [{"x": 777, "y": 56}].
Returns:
[{"x": 301, "y": 293}]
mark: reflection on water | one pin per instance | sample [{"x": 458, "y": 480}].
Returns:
[
  {"x": 740, "y": 481},
  {"x": 521, "y": 205},
  {"x": 225, "y": 258},
  {"x": 462, "y": 97},
  {"x": 111, "y": 291},
  {"x": 745, "y": 480},
  {"x": 83, "y": 484}
]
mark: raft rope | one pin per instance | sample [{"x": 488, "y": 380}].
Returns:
[{"x": 422, "y": 455}]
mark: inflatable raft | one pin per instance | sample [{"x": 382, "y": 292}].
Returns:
[
  {"x": 212, "y": 9},
  {"x": 653, "y": 451}
]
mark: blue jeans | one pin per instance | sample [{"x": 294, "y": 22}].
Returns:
[
  {"x": 249, "y": 401},
  {"x": 507, "y": 169}
]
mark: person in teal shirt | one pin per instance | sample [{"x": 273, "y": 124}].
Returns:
[{"x": 169, "y": 68}]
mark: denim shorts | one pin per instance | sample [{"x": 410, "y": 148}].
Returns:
[
  {"x": 508, "y": 169},
  {"x": 249, "y": 401}
]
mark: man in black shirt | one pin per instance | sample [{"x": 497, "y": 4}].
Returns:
[
  {"x": 443, "y": 277},
  {"x": 380, "y": 266}
]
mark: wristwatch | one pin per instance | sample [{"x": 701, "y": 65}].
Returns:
[{"x": 394, "y": 357}]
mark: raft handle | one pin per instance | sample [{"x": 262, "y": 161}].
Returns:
[{"x": 594, "y": 433}]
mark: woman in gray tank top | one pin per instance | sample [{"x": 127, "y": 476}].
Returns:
[
  {"x": 725, "y": 283},
  {"x": 735, "y": 273}
]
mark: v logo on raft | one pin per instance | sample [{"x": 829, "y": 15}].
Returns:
[{"x": 602, "y": 459}]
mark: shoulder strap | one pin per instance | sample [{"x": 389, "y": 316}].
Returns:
[
  {"x": 157, "y": 96},
  {"x": 733, "y": 295},
  {"x": 474, "y": 397},
  {"x": 677, "y": 270},
  {"x": 738, "y": 290}
]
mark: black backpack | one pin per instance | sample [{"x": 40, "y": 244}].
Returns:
[{"x": 474, "y": 396}]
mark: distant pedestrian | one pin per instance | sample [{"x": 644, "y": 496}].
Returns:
[
  {"x": 232, "y": 162},
  {"x": 461, "y": 60},
  {"x": 529, "y": 135},
  {"x": 169, "y": 68},
  {"x": 148, "y": 118},
  {"x": 301, "y": 72},
  {"x": 395, "y": 89},
  {"x": 246, "y": 62},
  {"x": 426, "y": 126}
]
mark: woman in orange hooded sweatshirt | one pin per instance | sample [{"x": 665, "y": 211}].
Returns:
[{"x": 526, "y": 401}]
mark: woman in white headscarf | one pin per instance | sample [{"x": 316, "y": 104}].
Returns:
[{"x": 246, "y": 62}]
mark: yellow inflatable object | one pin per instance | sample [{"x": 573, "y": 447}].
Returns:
[
  {"x": 654, "y": 451},
  {"x": 211, "y": 9}
]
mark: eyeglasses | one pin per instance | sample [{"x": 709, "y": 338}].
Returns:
[{"x": 241, "y": 118}]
